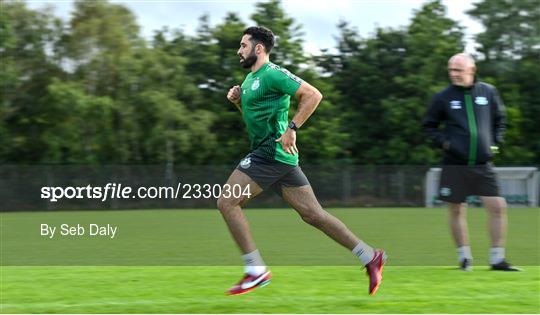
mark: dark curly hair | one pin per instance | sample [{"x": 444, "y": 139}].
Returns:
[{"x": 261, "y": 35}]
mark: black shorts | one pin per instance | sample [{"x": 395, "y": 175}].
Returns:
[
  {"x": 460, "y": 181},
  {"x": 272, "y": 174}
]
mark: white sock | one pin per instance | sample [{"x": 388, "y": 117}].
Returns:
[
  {"x": 364, "y": 252},
  {"x": 254, "y": 264},
  {"x": 464, "y": 252},
  {"x": 496, "y": 255}
]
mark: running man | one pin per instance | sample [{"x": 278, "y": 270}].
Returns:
[{"x": 264, "y": 100}]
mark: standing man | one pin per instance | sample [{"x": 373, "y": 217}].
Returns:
[
  {"x": 264, "y": 100},
  {"x": 474, "y": 123}
]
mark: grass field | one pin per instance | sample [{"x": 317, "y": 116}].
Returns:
[
  {"x": 293, "y": 290},
  {"x": 164, "y": 261}
]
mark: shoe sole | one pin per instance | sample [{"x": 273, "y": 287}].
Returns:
[{"x": 260, "y": 285}]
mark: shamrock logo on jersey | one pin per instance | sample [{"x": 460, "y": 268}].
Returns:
[{"x": 255, "y": 84}]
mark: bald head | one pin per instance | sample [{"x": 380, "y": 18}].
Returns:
[
  {"x": 461, "y": 70},
  {"x": 463, "y": 58}
]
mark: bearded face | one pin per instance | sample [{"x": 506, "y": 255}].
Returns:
[{"x": 247, "y": 61}]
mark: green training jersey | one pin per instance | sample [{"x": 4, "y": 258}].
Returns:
[{"x": 266, "y": 96}]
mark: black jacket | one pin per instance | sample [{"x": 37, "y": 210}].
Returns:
[{"x": 473, "y": 118}]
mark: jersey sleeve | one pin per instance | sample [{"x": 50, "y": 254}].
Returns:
[
  {"x": 283, "y": 81},
  {"x": 498, "y": 117},
  {"x": 432, "y": 119}
]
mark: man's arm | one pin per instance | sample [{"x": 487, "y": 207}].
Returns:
[
  {"x": 432, "y": 120},
  {"x": 499, "y": 118},
  {"x": 309, "y": 99}
]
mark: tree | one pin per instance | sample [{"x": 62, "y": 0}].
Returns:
[
  {"x": 27, "y": 69},
  {"x": 432, "y": 38},
  {"x": 84, "y": 133},
  {"x": 288, "y": 50},
  {"x": 512, "y": 28},
  {"x": 509, "y": 50},
  {"x": 100, "y": 34},
  {"x": 75, "y": 93},
  {"x": 155, "y": 92},
  {"x": 386, "y": 82}
]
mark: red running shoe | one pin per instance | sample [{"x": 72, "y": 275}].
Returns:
[
  {"x": 249, "y": 283},
  {"x": 374, "y": 270}
]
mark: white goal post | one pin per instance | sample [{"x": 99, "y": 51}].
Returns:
[{"x": 520, "y": 186}]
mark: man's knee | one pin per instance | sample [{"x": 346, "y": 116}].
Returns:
[
  {"x": 225, "y": 204},
  {"x": 498, "y": 209},
  {"x": 315, "y": 218},
  {"x": 496, "y": 206},
  {"x": 457, "y": 209},
  {"x": 498, "y": 212}
]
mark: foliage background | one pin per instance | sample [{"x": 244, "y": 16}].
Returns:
[{"x": 92, "y": 91}]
